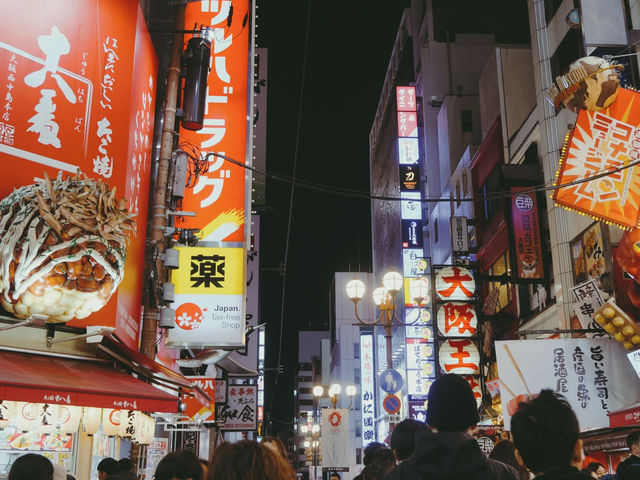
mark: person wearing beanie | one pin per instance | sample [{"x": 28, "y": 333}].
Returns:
[{"x": 449, "y": 451}]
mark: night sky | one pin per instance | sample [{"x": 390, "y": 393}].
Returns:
[{"x": 349, "y": 49}]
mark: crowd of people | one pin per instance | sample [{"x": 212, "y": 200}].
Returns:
[{"x": 545, "y": 445}]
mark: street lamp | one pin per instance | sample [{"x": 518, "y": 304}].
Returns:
[{"x": 384, "y": 298}]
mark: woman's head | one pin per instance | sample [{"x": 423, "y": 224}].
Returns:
[
  {"x": 275, "y": 444},
  {"x": 182, "y": 465},
  {"x": 248, "y": 460}
]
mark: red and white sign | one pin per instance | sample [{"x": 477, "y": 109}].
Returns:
[
  {"x": 455, "y": 283},
  {"x": 526, "y": 231},
  {"x": 194, "y": 409},
  {"x": 406, "y": 99},
  {"x": 407, "y": 124},
  {"x": 474, "y": 383},
  {"x": 218, "y": 196},
  {"x": 457, "y": 319},
  {"x": 335, "y": 437},
  {"x": 80, "y": 95},
  {"x": 459, "y": 356}
]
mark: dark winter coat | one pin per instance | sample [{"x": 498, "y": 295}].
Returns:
[
  {"x": 565, "y": 473},
  {"x": 631, "y": 460},
  {"x": 450, "y": 456}
]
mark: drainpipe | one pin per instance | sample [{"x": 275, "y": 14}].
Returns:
[{"x": 158, "y": 210}]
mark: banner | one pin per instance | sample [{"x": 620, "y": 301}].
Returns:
[
  {"x": 218, "y": 196},
  {"x": 209, "y": 298},
  {"x": 335, "y": 437},
  {"x": 594, "y": 376},
  {"x": 195, "y": 410},
  {"x": 367, "y": 389},
  {"x": 526, "y": 231},
  {"x": 78, "y": 92}
]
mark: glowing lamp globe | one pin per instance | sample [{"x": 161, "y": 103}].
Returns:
[
  {"x": 392, "y": 282},
  {"x": 355, "y": 289},
  {"x": 351, "y": 390},
  {"x": 379, "y": 295},
  {"x": 318, "y": 391}
]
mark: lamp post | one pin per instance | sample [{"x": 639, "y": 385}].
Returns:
[{"x": 384, "y": 298}]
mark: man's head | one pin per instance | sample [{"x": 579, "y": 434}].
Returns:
[
  {"x": 402, "y": 437},
  {"x": 452, "y": 406},
  {"x": 633, "y": 442},
  {"x": 108, "y": 466},
  {"x": 334, "y": 476},
  {"x": 125, "y": 464},
  {"x": 371, "y": 450},
  {"x": 546, "y": 433},
  {"x": 31, "y": 466}
]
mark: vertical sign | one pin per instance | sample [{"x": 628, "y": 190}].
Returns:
[
  {"x": 210, "y": 305},
  {"x": 367, "y": 389},
  {"x": 80, "y": 95},
  {"x": 240, "y": 412},
  {"x": 218, "y": 196},
  {"x": 459, "y": 235},
  {"x": 524, "y": 214}
]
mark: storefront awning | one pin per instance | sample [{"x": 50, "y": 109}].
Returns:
[
  {"x": 153, "y": 371},
  {"x": 625, "y": 417},
  {"x": 45, "y": 379}
]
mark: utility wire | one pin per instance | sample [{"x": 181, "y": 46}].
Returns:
[
  {"x": 293, "y": 189},
  {"x": 361, "y": 194}
]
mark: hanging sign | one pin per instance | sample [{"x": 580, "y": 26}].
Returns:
[
  {"x": 459, "y": 356},
  {"x": 240, "y": 411},
  {"x": 335, "y": 437},
  {"x": 410, "y": 179},
  {"x": 457, "y": 319},
  {"x": 604, "y": 141},
  {"x": 391, "y": 404},
  {"x": 367, "y": 391},
  {"x": 588, "y": 299},
  {"x": 524, "y": 215},
  {"x": 459, "y": 235},
  {"x": 455, "y": 283},
  {"x": 209, "y": 299},
  {"x": 195, "y": 410}
]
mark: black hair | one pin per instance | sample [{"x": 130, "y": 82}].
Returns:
[
  {"x": 125, "y": 464},
  {"x": 334, "y": 474},
  {"x": 181, "y": 464},
  {"x": 31, "y": 466},
  {"x": 505, "y": 452},
  {"x": 545, "y": 431},
  {"x": 109, "y": 465},
  {"x": 633, "y": 438},
  {"x": 593, "y": 467},
  {"x": 402, "y": 438},
  {"x": 377, "y": 469},
  {"x": 370, "y": 452}
]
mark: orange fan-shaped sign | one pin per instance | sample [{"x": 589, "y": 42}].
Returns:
[{"x": 598, "y": 163}]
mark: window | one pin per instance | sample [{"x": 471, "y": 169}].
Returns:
[
  {"x": 458, "y": 202},
  {"x": 465, "y": 181},
  {"x": 466, "y": 120},
  {"x": 435, "y": 230},
  {"x": 492, "y": 204},
  {"x": 571, "y": 48},
  {"x": 356, "y": 350},
  {"x": 500, "y": 267},
  {"x": 550, "y": 9}
]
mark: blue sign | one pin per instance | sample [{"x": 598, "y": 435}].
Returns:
[
  {"x": 391, "y": 404},
  {"x": 390, "y": 381}
]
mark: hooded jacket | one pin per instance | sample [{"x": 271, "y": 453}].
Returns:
[{"x": 450, "y": 456}]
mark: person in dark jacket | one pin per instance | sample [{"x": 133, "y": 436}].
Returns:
[
  {"x": 633, "y": 442},
  {"x": 449, "y": 452},
  {"x": 546, "y": 433},
  {"x": 126, "y": 469},
  {"x": 402, "y": 438},
  {"x": 108, "y": 469}
]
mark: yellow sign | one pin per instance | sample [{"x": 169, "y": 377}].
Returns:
[{"x": 207, "y": 270}]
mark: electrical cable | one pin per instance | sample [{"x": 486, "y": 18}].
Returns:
[{"x": 293, "y": 188}]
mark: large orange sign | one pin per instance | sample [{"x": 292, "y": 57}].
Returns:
[
  {"x": 78, "y": 92},
  {"x": 604, "y": 141},
  {"x": 218, "y": 196}
]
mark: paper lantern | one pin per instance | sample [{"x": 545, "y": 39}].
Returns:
[
  {"x": 7, "y": 412},
  {"x": 146, "y": 430},
  {"x": 48, "y": 418},
  {"x": 599, "y": 142},
  {"x": 474, "y": 383},
  {"x": 459, "y": 356},
  {"x": 90, "y": 422},
  {"x": 455, "y": 283},
  {"x": 111, "y": 421},
  {"x": 26, "y": 416},
  {"x": 69, "y": 418},
  {"x": 457, "y": 319},
  {"x": 129, "y": 423}
]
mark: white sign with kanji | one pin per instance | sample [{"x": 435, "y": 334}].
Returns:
[
  {"x": 455, "y": 283},
  {"x": 588, "y": 299},
  {"x": 240, "y": 412}
]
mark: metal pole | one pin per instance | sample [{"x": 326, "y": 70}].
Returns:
[{"x": 158, "y": 209}]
